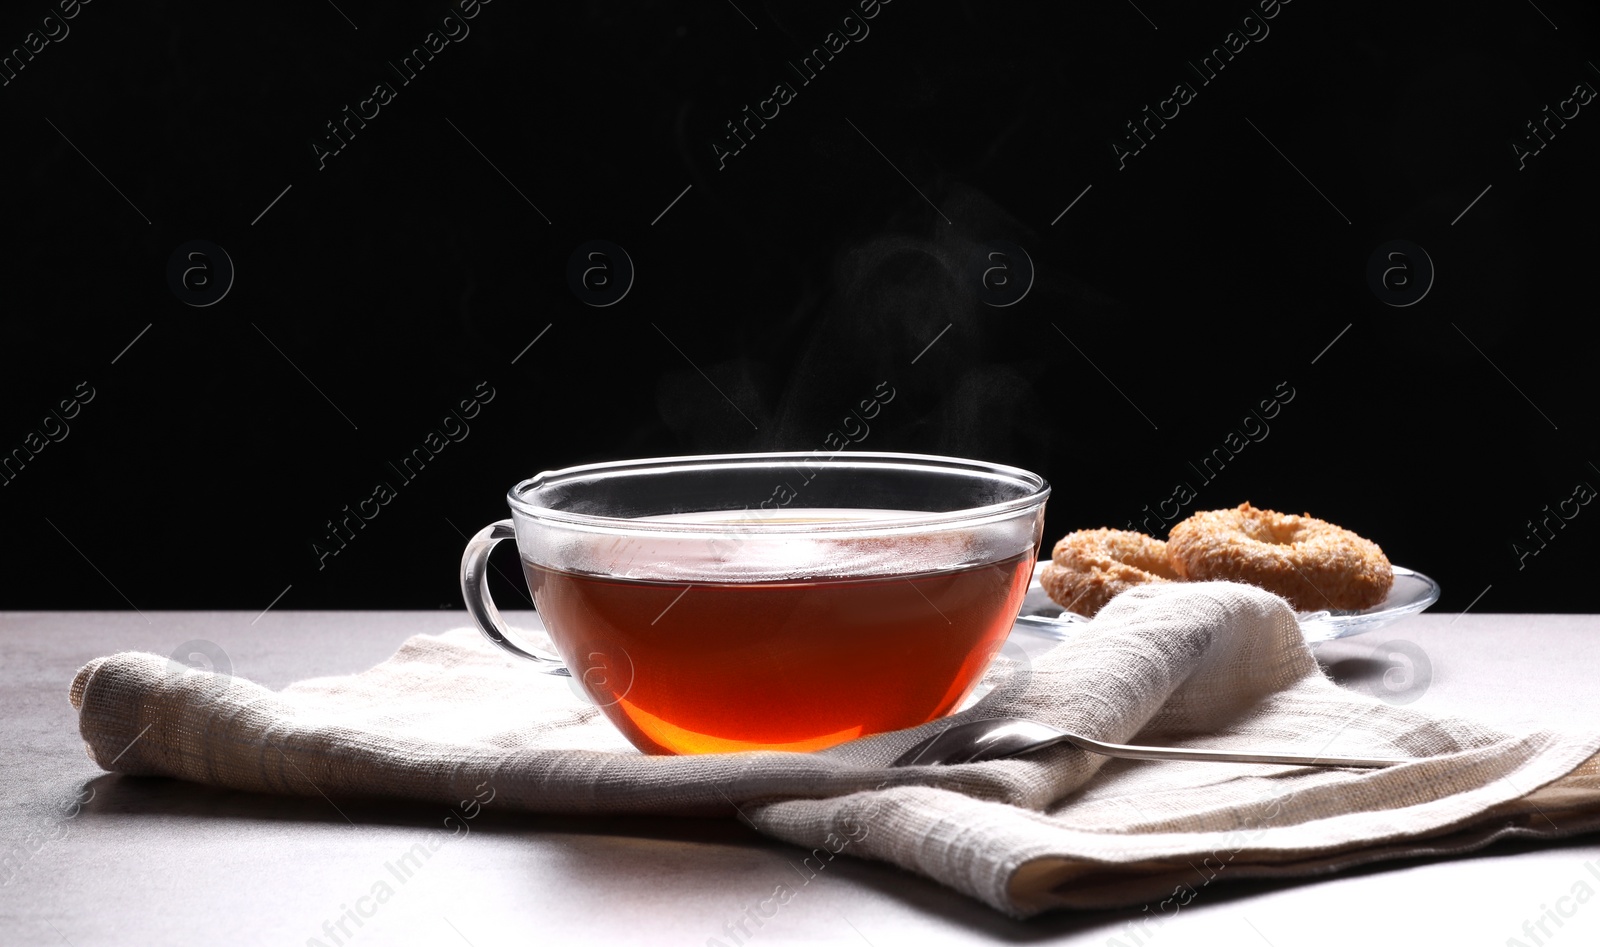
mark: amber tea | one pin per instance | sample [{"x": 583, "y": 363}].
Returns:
[{"x": 799, "y": 664}]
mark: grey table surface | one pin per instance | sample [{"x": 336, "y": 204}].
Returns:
[{"x": 150, "y": 861}]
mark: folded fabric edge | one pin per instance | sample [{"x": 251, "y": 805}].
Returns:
[
  {"x": 1172, "y": 885},
  {"x": 1047, "y": 882},
  {"x": 99, "y": 731},
  {"x": 80, "y": 681}
]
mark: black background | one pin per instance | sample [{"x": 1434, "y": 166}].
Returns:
[{"x": 1178, "y": 292}]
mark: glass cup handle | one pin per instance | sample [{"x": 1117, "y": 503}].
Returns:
[{"x": 475, "y": 592}]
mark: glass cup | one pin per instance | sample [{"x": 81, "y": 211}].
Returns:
[{"x": 781, "y": 601}]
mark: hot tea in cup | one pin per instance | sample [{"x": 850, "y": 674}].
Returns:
[{"x": 770, "y": 601}]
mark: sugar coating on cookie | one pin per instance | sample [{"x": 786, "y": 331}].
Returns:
[
  {"x": 1090, "y": 567},
  {"x": 1311, "y": 562}
]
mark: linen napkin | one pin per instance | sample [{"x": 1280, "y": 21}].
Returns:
[{"x": 1214, "y": 664}]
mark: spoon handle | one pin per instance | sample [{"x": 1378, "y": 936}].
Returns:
[{"x": 1123, "y": 751}]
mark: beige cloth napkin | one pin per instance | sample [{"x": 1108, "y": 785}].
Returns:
[{"x": 1201, "y": 664}]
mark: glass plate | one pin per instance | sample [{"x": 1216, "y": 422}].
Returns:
[{"x": 1412, "y": 592}]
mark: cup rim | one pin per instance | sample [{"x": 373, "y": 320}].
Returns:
[{"x": 752, "y": 520}]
